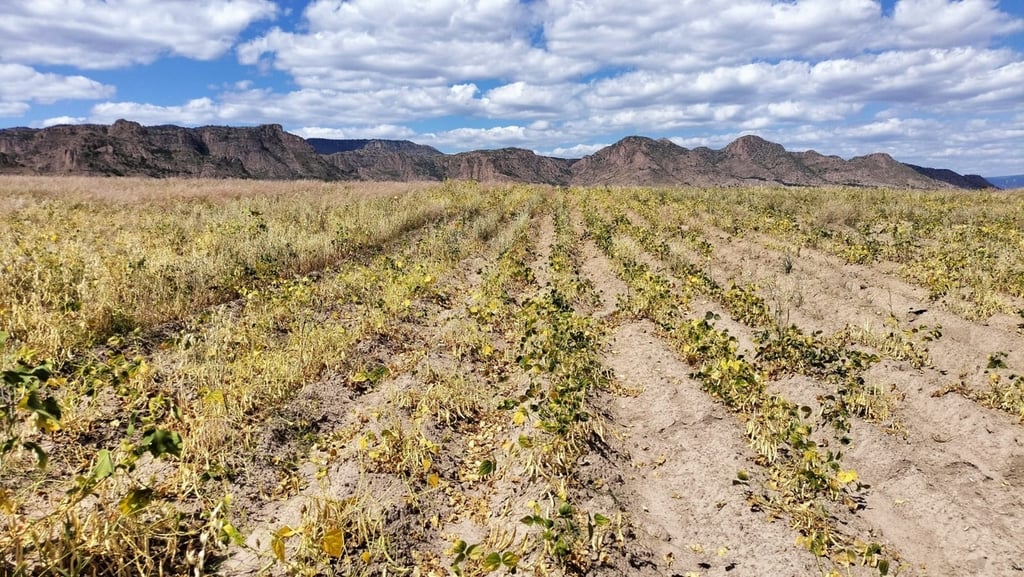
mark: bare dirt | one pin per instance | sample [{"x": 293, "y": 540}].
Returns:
[
  {"x": 946, "y": 485},
  {"x": 945, "y": 488}
]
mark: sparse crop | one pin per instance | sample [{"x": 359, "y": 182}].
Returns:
[{"x": 314, "y": 379}]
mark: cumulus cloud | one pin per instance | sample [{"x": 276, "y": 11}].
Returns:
[
  {"x": 54, "y": 121},
  {"x": 563, "y": 75},
  {"x": 194, "y": 112},
  {"x": 94, "y": 34},
  {"x": 381, "y": 131},
  {"x": 21, "y": 85}
]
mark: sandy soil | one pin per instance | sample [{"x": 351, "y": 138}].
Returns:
[{"x": 946, "y": 488}]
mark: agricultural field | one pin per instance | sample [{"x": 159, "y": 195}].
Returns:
[{"x": 304, "y": 378}]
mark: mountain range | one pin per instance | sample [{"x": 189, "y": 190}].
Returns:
[
  {"x": 127, "y": 148},
  {"x": 1007, "y": 182}
]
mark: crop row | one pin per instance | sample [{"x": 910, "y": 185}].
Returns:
[
  {"x": 804, "y": 475},
  {"x": 144, "y": 437}
]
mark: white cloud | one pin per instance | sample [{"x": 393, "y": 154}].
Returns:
[
  {"x": 577, "y": 151},
  {"x": 61, "y": 120},
  {"x": 559, "y": 75},
  {"x": 10, "y": 109},
  {"x": 21, "y": 85},
  {"x": 381, "y": 131},
  {"x": 922, "y": 23},
  {"x": 94, "y": 34},
  {"x": 194, "y": 112}
]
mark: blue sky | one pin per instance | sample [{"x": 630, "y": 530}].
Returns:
[{"x": 932, "y": 82}]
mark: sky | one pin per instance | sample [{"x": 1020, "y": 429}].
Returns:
[{"x": 933, "y": 82}]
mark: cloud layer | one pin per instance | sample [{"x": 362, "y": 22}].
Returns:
[{"x": 926, "y": 80}]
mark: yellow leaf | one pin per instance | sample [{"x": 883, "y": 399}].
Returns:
[
  {"x": 845, "y": 477},
  {"x": 723, "y": 551},
  {"x": 486, "y": 350},
  {"x": 365, "y": 557},
  {"x": 334, "y": 542},
  {"x": 214, "y": 397},
  {"x": 277, "y": 545},
  {"x": 286, "y": 531},
  {"x": 433, "y": 480},
  {"x": 518, "y": 418},
  {"x": 6, "y": 503}
]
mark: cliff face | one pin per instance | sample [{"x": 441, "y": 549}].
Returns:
[
  {"x": 747, "y": 160},
  {"x": 395, "y": 160},
  {"x": 268, "y": 152},
  {"x": 128, "y": 148},
  {"x": 507, "y": 165}
]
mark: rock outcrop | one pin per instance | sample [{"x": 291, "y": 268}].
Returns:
[
  {"x": 268, "y": 152},
  {"x": 128, "y": 148}
]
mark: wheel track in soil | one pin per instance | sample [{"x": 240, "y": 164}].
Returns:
[{"x": 947, "y": 495}]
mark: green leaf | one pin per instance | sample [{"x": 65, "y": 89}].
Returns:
[
  {"x": 42, "y": 372},
  {"x": 104, "y": 466},
  {"x": 510, "y": 559},
  {"x": 232, "y": 534},
  {"x": 883, "y": 566},
  {"x": 486, "y": 468},
  {"x": 41, "y": 457},
  {"x": 601, "y": 520},
  {"x": 460, "y": 547},
  {"x": 492, "y": 562},
  {"x": 160, "y": 442}
]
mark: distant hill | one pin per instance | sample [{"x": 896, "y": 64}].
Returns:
[
  {"x": 268, "y": 152},
  {"x": 130, "y": 149},
  {"x": 331, "y": 146},
  {"x": 972, "y": 181},
  {"x": 1007, "y": 182}
]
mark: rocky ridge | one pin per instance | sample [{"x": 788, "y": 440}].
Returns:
[{"x": 268, "y": 152}]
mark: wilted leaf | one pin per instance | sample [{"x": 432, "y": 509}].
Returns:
[
  {"x": 286, "y": 532},
  {"x": 334, "y": 542},
  {"x": 848, "y": 476},
  {"x": 135, "y": 499},
  {"x": 277, "y": 545}
]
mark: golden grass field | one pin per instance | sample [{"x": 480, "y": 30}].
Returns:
[{"x": 301, "y": 378}]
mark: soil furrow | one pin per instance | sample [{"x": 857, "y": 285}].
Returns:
[{"x": 677, "y": 455}]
